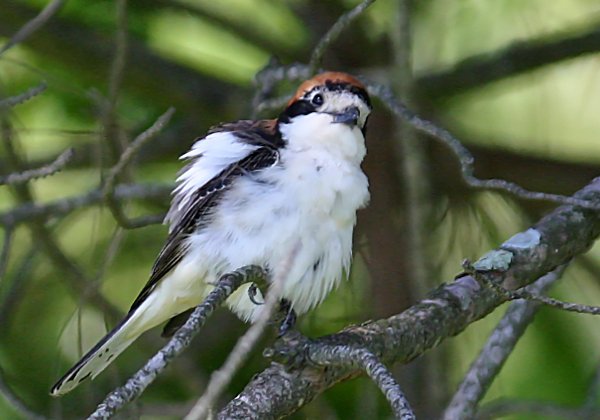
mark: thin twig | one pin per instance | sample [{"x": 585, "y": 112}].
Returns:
[
  {"x": 59, "y": 208},
  {"x": 334, "y": 32},
  {"x": 124, "y": 161},
  {"x": 23, "y": 97},
  {"x": 268, "y": 77},
  {"x": 134, "y": 387},
  {"x": 496, "y": 351},
  {"x": 134, "y": 148},
  {"x": 345, "y": 355},
  {"x": 33, "y": 25},
  {"x": 532, "y": 296},
  {"x": 465, "y": 158},
  {"x": 47, "y": 170},
  {"x": 221, "y": 378},
  {"x": 555, "y": 303},
  {"x": 76, "y": 278}
]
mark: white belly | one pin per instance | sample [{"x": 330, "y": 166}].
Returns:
[{"x": 309, "y": 201}]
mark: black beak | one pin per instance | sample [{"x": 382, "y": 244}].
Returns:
[{"x": 349, "y": 116}]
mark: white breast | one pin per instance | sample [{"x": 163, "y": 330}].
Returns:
[{"x": 310, "y": 198}]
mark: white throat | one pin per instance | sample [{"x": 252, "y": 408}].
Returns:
[{"x": 317, "y": 131}]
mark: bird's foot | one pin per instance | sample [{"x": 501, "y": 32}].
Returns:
[
  {"x": 289, "y": 317},
  {"x": 253, "y": 291}
]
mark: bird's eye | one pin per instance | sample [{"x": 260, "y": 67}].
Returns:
[{"x": 317, "y": 99}]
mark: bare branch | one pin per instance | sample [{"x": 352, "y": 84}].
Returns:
[
  {"x": 334, "y": 32},
  {"x": 343, "y": 355},
  {"x": 266, "y": 79},
  {"x": 134, "y": 387},
  {"x": 498, "y": 347},
  {"x": 60, "y": 208},
  {"x": 553, "y": 241},
  {"x": 124, "y": 161},
  {"x": 76, "y": 278},
  {"x": 47, "y": 170},
  {"x": 23, "y": 97},
  {"x": 464, "y": 156},
  {"x": 221, "y": 378},
  {"x": 566, "y": 306},
  {"x": 532, "y": 296},
  {"x": 33, "y": 25},
  {"x": 466, "y": 159}
]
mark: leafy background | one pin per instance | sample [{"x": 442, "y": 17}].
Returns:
[{"x": 537, "y": 127}]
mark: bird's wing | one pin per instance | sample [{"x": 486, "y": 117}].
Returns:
[{"x": 228, "y": 152}]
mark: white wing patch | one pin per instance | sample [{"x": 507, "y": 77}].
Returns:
[{"x": 209, "y": 157}]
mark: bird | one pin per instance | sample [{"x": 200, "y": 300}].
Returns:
[{"x": 251, "y": 192}]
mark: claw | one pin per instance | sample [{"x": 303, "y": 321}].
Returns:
[
  {"x": 289, "y": 321},
  {"x": 252, "y": 292}
]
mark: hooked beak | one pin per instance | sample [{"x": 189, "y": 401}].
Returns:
[{"x": 349, "y": 116}]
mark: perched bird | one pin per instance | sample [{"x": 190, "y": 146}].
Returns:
[{"x": 251, "y": 193}]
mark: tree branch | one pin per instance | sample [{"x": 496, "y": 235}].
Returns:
[
  {"x": 465, "y": 158},
  {"x": 47, "y": 170},
  {"x": 566, "y": 232},
  {"x": 342, "y": 355},
  {"x": 497, "y": 349},
  {"x": 33, "y": 25},
  {"x": 221, "y": 378},
  {"x": 29, "y": 211},
  {"x": 124, "y": 161},
  {"x": 334, "y": 32},
  {"x": 23, "y": 97},
  {"x": 134, "y": 387}
]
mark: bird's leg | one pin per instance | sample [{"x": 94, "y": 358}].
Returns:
[{"x": 289, "y": 317}]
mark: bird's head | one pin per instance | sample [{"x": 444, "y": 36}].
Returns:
[{"x": 342, "y": 96}]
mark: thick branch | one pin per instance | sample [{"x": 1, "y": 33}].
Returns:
[
  {"x": 499, "y": 346},
  {"x": 566, "y": 232}
]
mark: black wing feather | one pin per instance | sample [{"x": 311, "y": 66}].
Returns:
[{"x": 205, "y": 198}]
